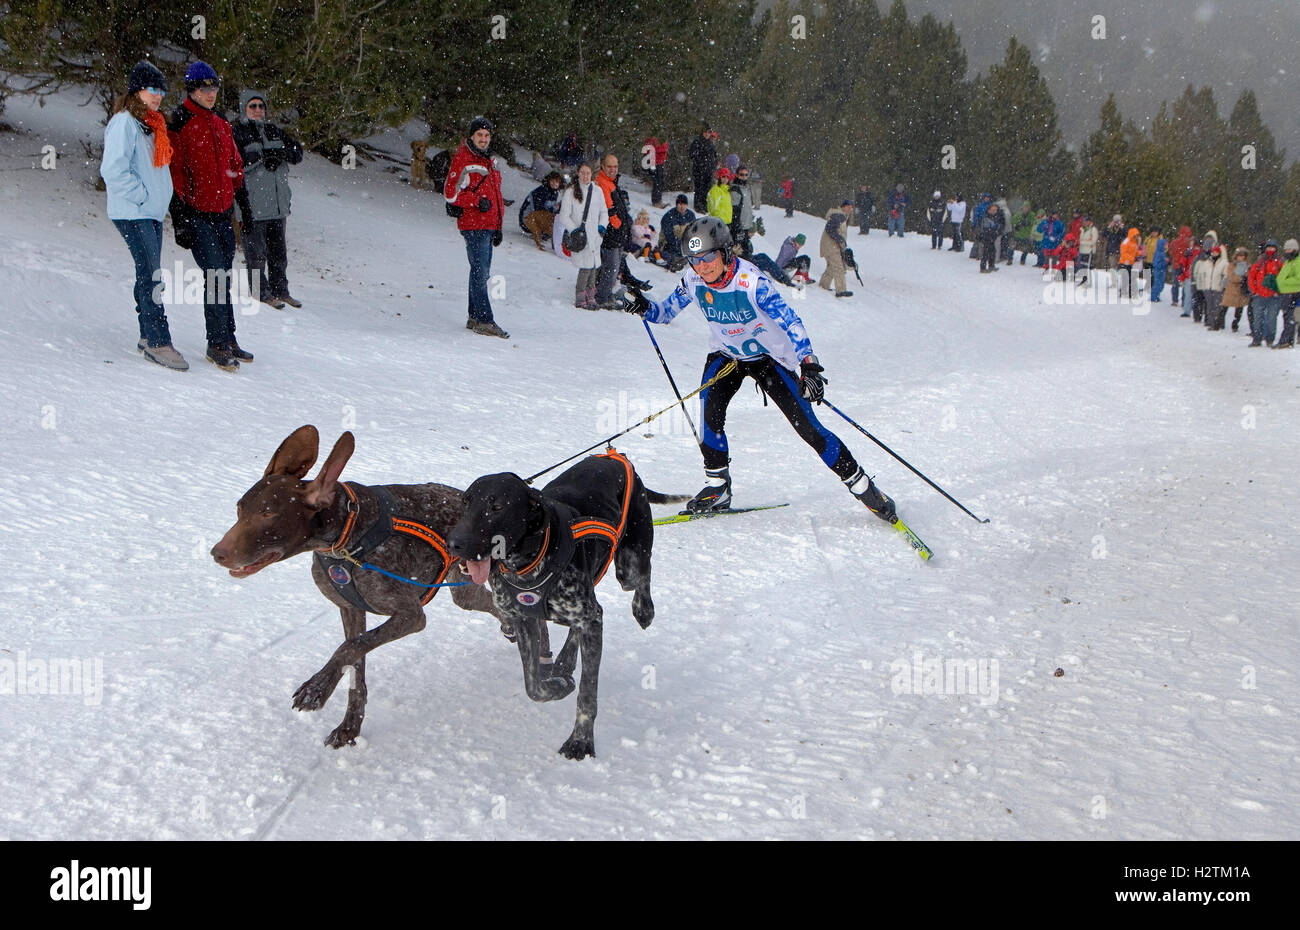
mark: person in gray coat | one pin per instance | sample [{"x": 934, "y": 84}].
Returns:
[{"x": 268, "y": 151}]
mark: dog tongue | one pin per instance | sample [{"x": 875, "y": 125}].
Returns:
[{"x": 478, "y": 569}]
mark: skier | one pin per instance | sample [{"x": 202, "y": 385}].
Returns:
[{"x": 750, "y": 324}]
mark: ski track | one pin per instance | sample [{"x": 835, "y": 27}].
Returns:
[{"x": 1140, "y": 477}]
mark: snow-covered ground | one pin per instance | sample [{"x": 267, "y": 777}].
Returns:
[{"x": 1140, "y": 475}]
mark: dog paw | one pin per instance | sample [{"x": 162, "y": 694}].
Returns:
[
  {"x": 315, "y": 691},
  {"x": 643, "y": 609},
  {"x": 344, "y": 735},
  {"x": 578, "y": 748},
  {"x": 558, "y": 687}
]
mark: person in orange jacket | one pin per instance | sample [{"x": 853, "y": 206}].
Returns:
[{"x": 1130, "y": 251}]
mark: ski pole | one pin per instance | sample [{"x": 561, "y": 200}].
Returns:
[
  {"x": 722, "y": 373},
  {"x": 861, "y": 430},
  {"x": 654, "y": 342}
]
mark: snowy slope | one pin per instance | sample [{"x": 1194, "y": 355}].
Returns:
[{"x": 1139, "y": 473}]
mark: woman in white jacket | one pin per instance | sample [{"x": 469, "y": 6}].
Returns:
[
  {"x": 1211, "y": 277},
  {"x": 581, "y": 198}
]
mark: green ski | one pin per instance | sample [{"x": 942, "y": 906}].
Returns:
[
  {"x": 686, "y": 516},
  {"x": 921, "y": 548}
]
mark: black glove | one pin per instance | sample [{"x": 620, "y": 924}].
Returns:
[
  {"x": 811, "y": 383},
  {"x": 182, "y": 228},
  {"x": 484, "y": 205},
  {"x": 638, "y": 304},
  {"x": 271, "y": 162},
  {"x": 496, "y": 238}
]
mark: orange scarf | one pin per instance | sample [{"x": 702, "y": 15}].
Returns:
[{"x": 162, "y": 146}]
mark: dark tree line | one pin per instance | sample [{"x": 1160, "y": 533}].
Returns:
[{"x": 837, "y": 94}]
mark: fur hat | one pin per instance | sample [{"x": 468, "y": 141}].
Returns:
[{"x": 143, "y": 75}]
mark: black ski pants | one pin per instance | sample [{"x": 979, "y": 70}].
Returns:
[{"x": 782, "y": 386}]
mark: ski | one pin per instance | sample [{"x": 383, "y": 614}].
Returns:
[
  {"x": 921, "y": 548},
  {"x": 686, "y": 515}
]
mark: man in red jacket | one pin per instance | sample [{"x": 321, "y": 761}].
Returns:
[
  {"x": 206, "y": 170},
  {"x": 658, "y": 157},
  {"x": 1266, "y": 300},
  {"x": 1178, "y": 262},
  {"x": 473, "y": 193}
]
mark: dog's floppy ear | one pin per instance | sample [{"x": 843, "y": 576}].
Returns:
[
  {"x": 296, "y": 455},
  {"x": 320, "y": 493}
]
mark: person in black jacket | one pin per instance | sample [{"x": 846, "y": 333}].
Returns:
[
  {"x": 935, "y": 213},
  {"x": 267, "y": 151},
  {"x": 704, "y": 159},
  {"x": 537, "y": 212},
  {"x": 865, "y": 204}
]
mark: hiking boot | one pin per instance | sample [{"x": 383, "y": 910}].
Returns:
[
  {"x": 1284, "y": 345},
  {"x": 239, "y": 353},
  {"x": 864, "y": 489},
  {"x": 289, "y": 299},
  {"x": 275, "y": 303},
  {"x": 223, "y": 358},
  {"x": 1255, "y": 345},
  {"x": 166, "y": 356},
  {"x": 716, "y": 493},
  {"x": 984, "y": 270},
  {"x": 490, "y": 329},
  {"x": 469, "y": 324},
  {"x": 843, "y": 293}
]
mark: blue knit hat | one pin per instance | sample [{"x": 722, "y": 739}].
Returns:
[
  {"x": 143, "y": 75},
  {"x": 200, "y": 74}
]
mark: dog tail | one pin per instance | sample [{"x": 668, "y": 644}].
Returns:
[{"x": 657, "y": 498}]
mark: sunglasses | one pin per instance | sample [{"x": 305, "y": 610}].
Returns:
[
  {"x": 257, "y": 106},
  {"x": 155, "y": 90},
  {"x": 705, "y": 258}
]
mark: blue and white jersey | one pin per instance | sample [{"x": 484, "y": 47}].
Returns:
[{"x": 747, "y": 317}]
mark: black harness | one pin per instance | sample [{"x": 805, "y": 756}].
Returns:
[{"x": 342, "y": 561}]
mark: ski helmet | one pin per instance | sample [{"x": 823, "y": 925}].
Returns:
[{"x": 704, "y": 235}]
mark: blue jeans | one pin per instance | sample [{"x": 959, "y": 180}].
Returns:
[
  {"x": 1173, "y": 290},
  {"x": 896, "y": 223},
  {"x": 478, "y": 246},
  {"x": 1266, "y": 309},
  {"x": 214, "y": 250},
  {"x": 144, "y": 239},
  {"x": 1288, "y": 319}
]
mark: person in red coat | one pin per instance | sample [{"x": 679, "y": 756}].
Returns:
[
  {"x": 1178, "y": 246},
  {"x": 1266, "y": 301},
  {"x": 658, "y": 158},
  {"x": 206, "y": 171},
  {"x": 1063, "y": 257},
  {"x": 473, "y": 193}
]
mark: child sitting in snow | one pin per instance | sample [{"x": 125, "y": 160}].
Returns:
[
  {"x": 1062, "y": 257},
  {"x": 642, "y": 234}
]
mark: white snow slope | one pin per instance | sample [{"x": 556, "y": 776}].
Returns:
[{"x": 1140, "y": 475}]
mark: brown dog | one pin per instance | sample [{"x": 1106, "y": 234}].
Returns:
[
  {"x": 419, "y": 167},
  {"x": 398, "y": 528}
]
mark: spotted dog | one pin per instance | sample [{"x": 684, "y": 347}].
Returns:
[{"x": 543, "y": 553}]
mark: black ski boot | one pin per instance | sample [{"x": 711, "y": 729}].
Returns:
[
  {"x": 865, "y": 490},
  {"x": 716, "y": 493}
]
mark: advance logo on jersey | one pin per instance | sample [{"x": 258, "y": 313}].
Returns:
[
  {"x": 78, "y": 883},
  {"x": 725, "y": 306}
]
